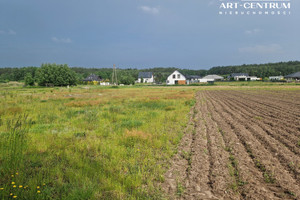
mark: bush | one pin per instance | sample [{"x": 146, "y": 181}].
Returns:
[
  {"x": 127, "y": 80},
  {"x": 28, "y": 79},
  {"x": 55, "y": 75}
]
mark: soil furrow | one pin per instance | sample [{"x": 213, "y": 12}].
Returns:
[
  {"x": 249, "y": 182},
  {"x": 284, "y": 155},
  {"x": 274, "y": 110},
  {"x": 238, "y": 145},
  {"x": 288, "y": 122},
  {"x": 280, "y": 108},
  {"x": 198, "y": 182},
  {"x": 219, "y": 174},
  {"x": 281, "y": 99},
  {"x": 277, "y": 108},
  {"x": 278, "y": 132},
  {"x": 262, "y": 156}
]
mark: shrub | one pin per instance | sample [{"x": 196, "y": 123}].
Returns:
[
  {"x": 28, "y": 79},
  {"x": 55, "y": 75}
]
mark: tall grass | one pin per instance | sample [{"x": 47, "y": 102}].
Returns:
[
  {"x": 95, "y": 143},
  {"x": 13, "y": 146},
  {"x": 15, "y": 143}
]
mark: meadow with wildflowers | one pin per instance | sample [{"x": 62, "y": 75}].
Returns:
[{"x": 88, "y": 142}]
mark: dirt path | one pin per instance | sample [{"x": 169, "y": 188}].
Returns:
[{"x": 238, "y": 148}]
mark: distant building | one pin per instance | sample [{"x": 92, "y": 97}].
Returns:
[
  {"x": 276, "y": 78},
  {"x": 254, "y": 78},
  {"x": 91, "y": 78},
  {"x": 242, "y": 77},
  {"x": 293, "y": 77},
  {"x": 105, "y": 82},
  {"x": 211, "y": 78},
  {"x": 190, "y": 79},
  {"x": 176, "y": 78},
  {"x": 238, "y": 76},
  {"x": 145, "y": 77}
]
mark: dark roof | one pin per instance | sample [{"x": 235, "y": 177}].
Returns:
[
  {"x": 92, "y": 77},
  {"x": 239, "y": 74},
  {"x": 189, "y": 77},
  {"x": 145, "y": 74},
  {"x": 294, "y": 75}
]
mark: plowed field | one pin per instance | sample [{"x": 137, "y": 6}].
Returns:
[{"x": 239, "y": 144}]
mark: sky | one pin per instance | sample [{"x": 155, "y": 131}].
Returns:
[{"x": 142, "y": 34}]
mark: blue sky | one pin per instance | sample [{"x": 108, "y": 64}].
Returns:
[{"x": 142, "y": 34}]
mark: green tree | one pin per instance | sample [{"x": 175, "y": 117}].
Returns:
[
  {"x": 55, "y": 75},
  {"x": 28, "y": 79},
  {"x": 127, "y": 80}
]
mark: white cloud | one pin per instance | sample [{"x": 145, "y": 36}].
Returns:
[
  {"x": 262, "y": 49},
  {"x": 61, "y": 40},
  {"x": 8, "y": 32},
  {"x": 253, "y": 31},
  {"x": 150, "y": 10}
]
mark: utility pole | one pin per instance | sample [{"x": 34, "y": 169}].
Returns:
[{"x": 114, "y": 78}]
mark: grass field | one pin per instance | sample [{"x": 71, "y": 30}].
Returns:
[
  {"x": 95, "y": 142},
  {"x": 88, "y": 142}
]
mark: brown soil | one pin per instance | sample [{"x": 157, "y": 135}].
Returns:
[{"x": 239, "y": 145}]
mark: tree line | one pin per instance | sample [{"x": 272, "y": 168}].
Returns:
[
  {"x": 62, "y": 75},
  {"x": 259, "y": 70}
]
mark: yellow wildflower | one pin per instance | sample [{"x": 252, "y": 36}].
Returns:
[
  {"x": 13, "y": 183},
  {"x": 17, "y": 173},
  {"x": 44, "y": 184},
  {"x": 14, "y": 196},
  {"x": 20, "y": 186},
  {"x": 1, "y": 188},
  {"x": 11, "y": 194},
  {"x": 38, "y": 191},
  {"x": 14, "y": 186},
  {"x": 12, "y": 175},
  {"x": 38, "y": 187}
]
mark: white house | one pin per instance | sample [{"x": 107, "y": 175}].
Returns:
[
  {"x": 276, "y": 78},
  {"x": 145, "y": 77},
  {"x": 238, "y": 76},
  {"x": 176, "y": 78},
  {"x": 212, "y": 77},
  {"x": 104, "y": 83},
  {"x": 190, "y": 79},
  {"x": 253, "y": 78},
  {"x": 242, "y": 77}
]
